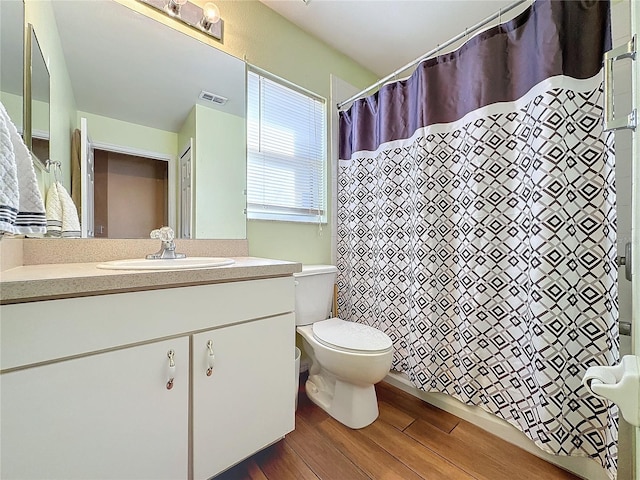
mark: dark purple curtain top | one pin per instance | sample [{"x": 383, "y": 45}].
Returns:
[{"x": 550, "y": 38}]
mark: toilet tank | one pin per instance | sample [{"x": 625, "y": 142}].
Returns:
[{"x": 314, "y": 293}]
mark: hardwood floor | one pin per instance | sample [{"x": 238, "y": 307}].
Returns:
[{"x": 410, "y": 440}]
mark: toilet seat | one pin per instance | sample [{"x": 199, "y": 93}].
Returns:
[{"x": 351, "y": 336}]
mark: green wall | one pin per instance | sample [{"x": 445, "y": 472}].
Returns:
[
  {"x": 40, "y": 117},
  {"x": 219, "y": 172},
  {"x": 138, "y": 137},
  {"x": 257, "y": 34},
  {"x": 13, "y": 105},
  {"x": 63, "y": 105},
  {"x": 263, "y": 38},
  {"x": 267, "y": 40}
]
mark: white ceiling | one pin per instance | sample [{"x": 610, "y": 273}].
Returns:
[
  {"x": 384, "y": 35},
  {"x": 381, "y": 35},
  {"x": 125, "y": 67},
  {"x": 11, "y": 42}
]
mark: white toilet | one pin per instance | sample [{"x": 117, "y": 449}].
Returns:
[{"x": 347, "y": 358}]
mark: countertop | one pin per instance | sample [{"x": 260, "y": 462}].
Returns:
[{"x": 64, "y": 280}]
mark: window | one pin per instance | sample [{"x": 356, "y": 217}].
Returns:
[{"x": 286, "y": 143}]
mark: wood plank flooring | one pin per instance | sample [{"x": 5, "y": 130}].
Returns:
[{"x": 410, "y": 440}]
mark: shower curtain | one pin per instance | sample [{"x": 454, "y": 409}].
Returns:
[{"x": 477, "y": 228}]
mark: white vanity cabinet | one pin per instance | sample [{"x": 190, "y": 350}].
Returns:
[
  {"x": 247, "y": 359},
  {"x": 83, "y": 388},
  {"x": 101, "y": 416}
]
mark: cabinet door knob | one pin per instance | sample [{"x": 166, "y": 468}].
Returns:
[
  {"x": 171, "y": 369},
  {"x": 210, "y": 358}
]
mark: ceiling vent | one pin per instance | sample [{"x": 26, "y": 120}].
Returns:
[{"x": 212, "y": 97}]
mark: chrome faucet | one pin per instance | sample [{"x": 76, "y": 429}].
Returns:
[{"x": 168, "y": 248}]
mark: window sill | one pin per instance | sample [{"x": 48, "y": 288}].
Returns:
[{"x": 298, "y": 222}]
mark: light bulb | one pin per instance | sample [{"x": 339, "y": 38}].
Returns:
[{"x": 210, "y": 14}]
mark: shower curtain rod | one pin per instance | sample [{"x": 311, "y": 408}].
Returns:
[{"x": 481, "y": 24}]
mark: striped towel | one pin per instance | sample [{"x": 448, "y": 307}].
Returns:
[
  {"x": 21, "y": 206},
  {"x": 62, "y": 216},
  {"x": 9, "y": 196}
]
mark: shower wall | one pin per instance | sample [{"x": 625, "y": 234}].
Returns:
[
  {"x": 620, "y": 12},
  {"x": 621, "y": 32}
]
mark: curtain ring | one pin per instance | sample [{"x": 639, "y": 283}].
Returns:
[{"x": 500, "y": 16}]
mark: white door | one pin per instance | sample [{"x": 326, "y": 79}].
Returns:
[
  {"x": 186, "y": 199},
  {"x": 105, "y": 416},
  {"x": 87, "y": 181}
]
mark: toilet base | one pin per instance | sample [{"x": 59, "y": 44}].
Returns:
[{"x": 352, "y": 405}]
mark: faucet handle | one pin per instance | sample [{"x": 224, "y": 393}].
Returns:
[
  {"x": 165, "y": 234},
  {"x": 168, "y": 248}
]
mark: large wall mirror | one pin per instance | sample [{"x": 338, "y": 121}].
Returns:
[
  {"x": 24, "y": 80},
  {"x": 153, "y": 141},
  {"x": 37, "y": 99},
  {"x": 12, "y": 60}
]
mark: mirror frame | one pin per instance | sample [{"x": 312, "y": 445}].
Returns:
[{"x": 30, "y": 43}]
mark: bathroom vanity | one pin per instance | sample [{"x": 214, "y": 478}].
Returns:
[{"x": 173, "y": 380}]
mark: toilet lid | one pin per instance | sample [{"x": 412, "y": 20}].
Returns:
[{"x": 351, "y": 336}]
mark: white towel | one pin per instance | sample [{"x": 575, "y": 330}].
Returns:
[
  {"x": 70, "y": 220},
  {"x": 9, "y": 196},
  {"x": 62, "y": 215},
  {"x": 54, "y": 212},
  {"x": 27, "y": 216}
]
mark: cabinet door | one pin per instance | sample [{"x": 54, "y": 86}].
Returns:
[
  {"x": 103, "y": 416},
  {"x": 247, "y": 402}
]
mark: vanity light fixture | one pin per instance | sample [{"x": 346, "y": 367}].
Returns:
[
  {"x": 206, "y": 19},
  {"x": 173, "y": 7},
  {"x": 210, "y": 15}
]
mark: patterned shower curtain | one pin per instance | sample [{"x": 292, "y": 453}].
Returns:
[{"x": 477, "y": 227}]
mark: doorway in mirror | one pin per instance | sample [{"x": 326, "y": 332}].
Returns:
[
  {"x": 40, "y": 148},
  {"x": 130, "y": 195}
]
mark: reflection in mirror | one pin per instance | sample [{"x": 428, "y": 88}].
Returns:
[
  {"x": 139, "y": 83},
  {"x": 36, "y": 131},
  {"x": 12, "y": 59}
]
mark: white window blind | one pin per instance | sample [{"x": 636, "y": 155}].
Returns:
[{"x": 286, "y": 143}]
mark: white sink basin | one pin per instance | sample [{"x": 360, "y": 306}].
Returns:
[{"x": 166, "y": 264}]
